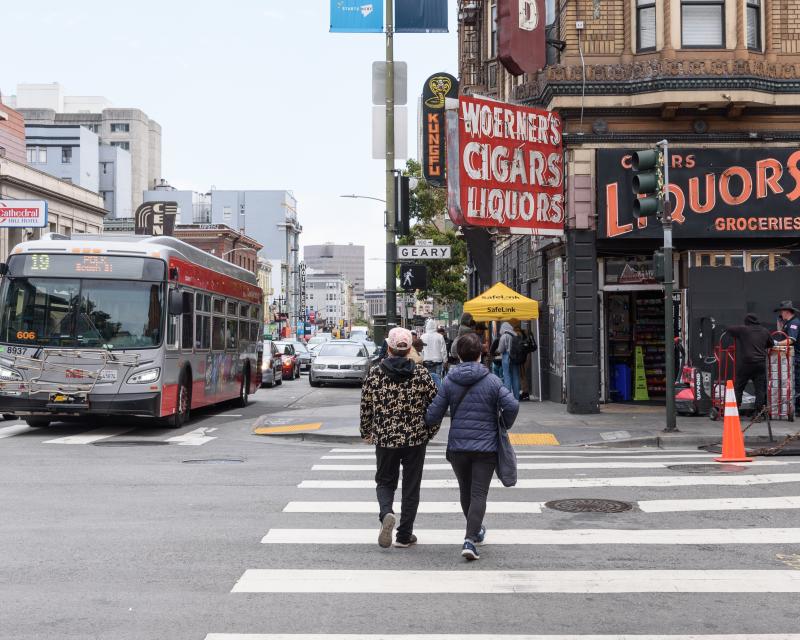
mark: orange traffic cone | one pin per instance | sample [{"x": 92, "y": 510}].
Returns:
[{"x": 732, "y": 437}]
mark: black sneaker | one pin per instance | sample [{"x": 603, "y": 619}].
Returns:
[
  {"x": 405, "y": 543},
  {"x": 387, "y": 526},
  {"x": 470, "y": 551}
]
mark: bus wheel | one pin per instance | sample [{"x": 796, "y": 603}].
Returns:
[
  {"x": 244, "y": 392},
  {"x": 37, "y": 423},
  {"x": 181, "y": 416}
]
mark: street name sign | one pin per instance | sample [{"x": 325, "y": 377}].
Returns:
[{"x": 409, "y": 252}]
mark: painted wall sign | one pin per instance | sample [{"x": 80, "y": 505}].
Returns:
[
  {"x": 155, "y": 218},
  {"x": 23, "y": 213},
  {"x": 512, "y": 167},
  {"x": 714, "y": 193},
  {"x": 436, "y": 89},
  {"x": 521, "y": 35}
]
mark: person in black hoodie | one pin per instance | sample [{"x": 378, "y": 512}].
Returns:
[
  {"x": 752, "y": 342},
  {"x": 394, "y": 399}
]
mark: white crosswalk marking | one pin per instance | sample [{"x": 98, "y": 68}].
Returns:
[
  {"x": 90, "y": 436},
  {"x": 502, "y": 636},
  {"x": 545, "y": 466},
  {"x": 194, "y": 438},
  {"x": 547, "y": 456},
  {"x": 14, "y": 430},
  {"x": 611, "y": 453},
  {"x": 516, "y": 582},
  {"x": 547, "y": 536}
]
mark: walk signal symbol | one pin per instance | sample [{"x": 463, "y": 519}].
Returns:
[{"x": 413, "y": 277}]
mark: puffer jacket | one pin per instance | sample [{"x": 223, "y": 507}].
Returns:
[
  {"x": 474, "y": 425},
  {"x": 394, "y": 399}
]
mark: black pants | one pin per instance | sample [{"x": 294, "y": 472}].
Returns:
[
  {"x": 758, "y": 374},
  {"x": 474, "y": 472},
  {"x": 389, "y": 461}
]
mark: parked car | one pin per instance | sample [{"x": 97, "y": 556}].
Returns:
[
  {"x": 340, "y": 361},
  {"x": 291, "y": 363},
  {"x": 271, "y": 365},
  {"x": 303, "y": 355}
]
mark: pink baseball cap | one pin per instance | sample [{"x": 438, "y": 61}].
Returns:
[{"x": 399, "y": 339}]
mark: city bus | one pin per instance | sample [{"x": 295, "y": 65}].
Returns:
[{"x": 124, "y": 326}]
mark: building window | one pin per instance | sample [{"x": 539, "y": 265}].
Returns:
[
  {"x": 122, "y": 144},
  {"x": 66, "y": 155},
  {"x": 754, "y": 24},
  {"x": 645, "y": 25},
  {"x": 37, "y": 155},
  {"x": 493, "y": 41},
  {"x": 120, "y": 127},
  {"x": 703, "y": 23},
  {"x": 491, "y": 75}
]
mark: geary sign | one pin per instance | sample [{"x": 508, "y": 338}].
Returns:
[
  {"x": 23, "y": 213},
  {"x": 417, "y": 252},
  {"x": 512, "y": 167},
  {"x": 714, "y": 193}
]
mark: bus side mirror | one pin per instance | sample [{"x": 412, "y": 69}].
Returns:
[
  {"x": 3, "y": 268},
  {"x": 175, "y": 302}
]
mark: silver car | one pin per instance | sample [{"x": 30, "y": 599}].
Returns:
[{"x": 340, "y": 361}]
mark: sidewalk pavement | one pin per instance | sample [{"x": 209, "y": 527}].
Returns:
[{"x": 542, "y": 424}]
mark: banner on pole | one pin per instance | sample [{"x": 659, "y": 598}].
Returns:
[
  {"x": 356, "y": 16},
  {"x": 420, "y": 16}
]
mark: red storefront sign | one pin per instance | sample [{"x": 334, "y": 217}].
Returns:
[{"x": 511, "y": 167}]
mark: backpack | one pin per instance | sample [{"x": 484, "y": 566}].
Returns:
[{"x": 518, "y": 353}]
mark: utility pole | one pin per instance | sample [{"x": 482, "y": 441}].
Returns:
[
  {"x": 391, "y": 213},
  {"x": 669, "y": 313}
]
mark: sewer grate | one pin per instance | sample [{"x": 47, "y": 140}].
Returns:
[
  {"x": 706, "y": 468},
  {"x": 214, "y": 461},
  {"x": 589, "y": 505},
  {"x": 129, "y": 443}
]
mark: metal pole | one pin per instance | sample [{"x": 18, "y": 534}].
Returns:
[
  {"x": 669, "y": 319},
  {"x": 391, "y": 247}
]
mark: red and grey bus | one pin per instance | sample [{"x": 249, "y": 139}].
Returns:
[{"x": 125, "y": 326}]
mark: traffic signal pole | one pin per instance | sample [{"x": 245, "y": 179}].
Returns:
[
  {"x": 391, "y": 211},
  {"x": 669, "y": 313}
]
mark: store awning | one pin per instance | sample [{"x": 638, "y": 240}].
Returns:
[{"x": 502, "y": 303}]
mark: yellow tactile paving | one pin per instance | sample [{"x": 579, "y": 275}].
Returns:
[
  {"x": 287, "y": 428},
  {"x": 533, "y": 438}
]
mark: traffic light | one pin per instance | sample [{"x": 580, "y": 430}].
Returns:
[
  {"x": 413, "y": 277},
  {"x": 648, "y": 183},
  {"x": 402, "y": 190}
]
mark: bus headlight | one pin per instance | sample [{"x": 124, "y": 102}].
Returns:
[
  {"x": 9, "y": 375},
  {"x": 145, "y": 377}
]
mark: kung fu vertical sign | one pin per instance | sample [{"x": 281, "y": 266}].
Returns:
[
  {"x": 512, "y": 167},
  {"x": 437, "y": 88}
]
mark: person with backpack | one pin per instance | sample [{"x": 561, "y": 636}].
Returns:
[
  {"x": 475, "y": 398},
  {"x": 510, "y": 344},
  {"x": 529, "y": 346},
  {"x": 394, "y": 399}
]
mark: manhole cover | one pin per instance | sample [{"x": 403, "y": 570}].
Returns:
[
  {"x": 214, "y": 461},
  {"x": 706, "y": 468},
  {"x": 589, "y": 505},
  {"x": 129, "y": 443}
]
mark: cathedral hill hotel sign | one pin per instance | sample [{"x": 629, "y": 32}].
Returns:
[{"x": 714, "y": 193}]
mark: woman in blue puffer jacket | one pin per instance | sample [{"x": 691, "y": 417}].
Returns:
[{"x": 474, "y": 396}]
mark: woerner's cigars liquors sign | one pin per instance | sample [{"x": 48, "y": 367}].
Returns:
[
  {"x": 714, "y": 193},
  {"x": 511, "y": 167}
]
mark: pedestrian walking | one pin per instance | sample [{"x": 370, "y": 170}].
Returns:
[
  {"x": 435, "y": 353},
  {"x": 465, "y": 326},
  {"x": 474, "y": 396},
  {"x": 752, "y": 342},
  {"x": 510, "y": 369},
  {"x": 394, "y": 399},
  {"x": 447, "y": 344},
  {"x": 415, "y": 354},
  {"x": 790, "y": 323}
]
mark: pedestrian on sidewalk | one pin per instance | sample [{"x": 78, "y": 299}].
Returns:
[
  {"x": 790, "y": 325},
  {"x": 474, "y": 396},
  {"x": 752, "y": 342},
  {"x": 415, "y": 353},
  {"x": 466, "y": 325},
  {"x": 434, "y": 355},
  {"x": 394, "y": 399},
  {"x": 510, "y": 369}
]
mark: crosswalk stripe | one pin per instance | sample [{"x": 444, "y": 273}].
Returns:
[
  {"x": 515, "y": 582},
  {"x": 14, "y": 430},
  {"x": 547, "y": 536},
  {"x": 502, "y": 636},
  {"x": 648, "y": 506},
  {"x": 540, "y": 456},
  {"x": 195, "y": 438},
  {"x": 545, "y": 466},
  {"x": 89, "y": 436},
  {"x": 580, "y": 483},
  {"x": 614, "y": 453},
  {"x": 424, "y": 507}
]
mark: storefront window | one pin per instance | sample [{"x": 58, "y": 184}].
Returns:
[
  {"x": 555, "y": 298},
  {"x": 764, "y": 260}
]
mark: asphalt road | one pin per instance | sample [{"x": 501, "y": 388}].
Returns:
[{"x": 165, "y": 540}]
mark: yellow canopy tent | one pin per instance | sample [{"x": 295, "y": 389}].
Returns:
[{"x": 503, "y": 303}]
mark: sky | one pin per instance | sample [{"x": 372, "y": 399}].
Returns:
[{"x": 250, "y": 94}]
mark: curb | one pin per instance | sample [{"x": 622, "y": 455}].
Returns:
[{"x": 302, "y": 436}]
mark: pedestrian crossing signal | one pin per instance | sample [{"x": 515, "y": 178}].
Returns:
[{"x": 413, "y": 277}]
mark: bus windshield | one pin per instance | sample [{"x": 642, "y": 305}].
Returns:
[{"x": 66, "y": 312}]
